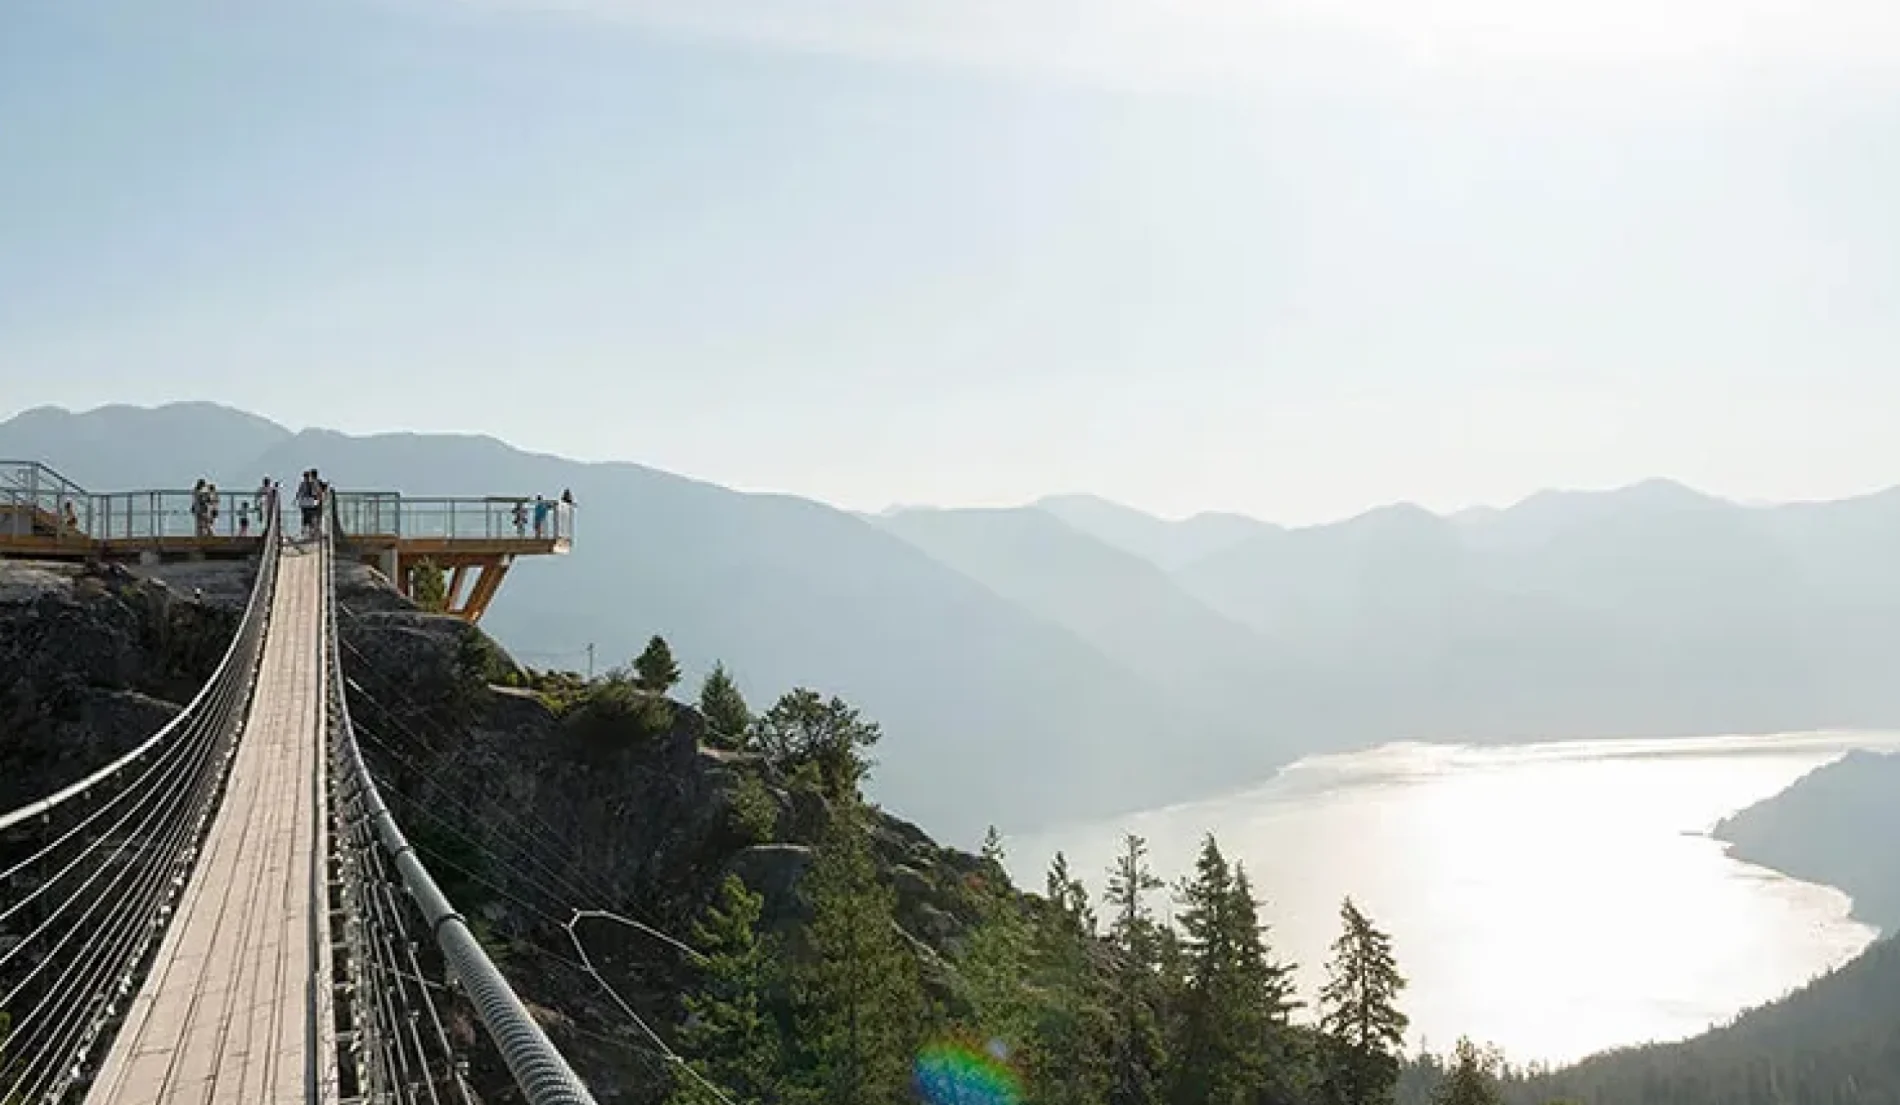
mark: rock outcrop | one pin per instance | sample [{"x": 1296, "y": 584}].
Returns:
[
  {"x": 532, "y": 804},
  {"x": 95, "y": 658}
]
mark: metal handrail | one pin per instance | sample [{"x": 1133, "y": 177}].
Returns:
[
  {"x": 58, "y": 477},
  {"x": 191, "y": 758},
  {"x": 256, "y": 613},
  {"x": 540, "y": 1071}
]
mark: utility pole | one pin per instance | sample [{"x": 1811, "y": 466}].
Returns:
[{"x": 590, "y": 661}]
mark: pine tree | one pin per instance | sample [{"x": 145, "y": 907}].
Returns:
[
  {"x": 997, "y": 956},
  {"x": 655, "y": 670},
  {"x": 1267, "y": 986},
  {"x": 1137, "y": 1057},
  {"x": 729, "y": 1039},
  {"x": 992, "y": 851},
  {"x": 1068, "y": 896},
  {"x": 1068, "y": 1060},
  {"x": 1268, "y": 982},
  {"x": 856, "y": 994},
  {"x": 428, "y": 587},
  {"x": 1234, "y": 999},
  {"x": 803, "y": 730},
  {"x": 1471, "y": 1080},
  {"x": 725, "y": 709},
  {"x": 1359, "y": 1016}
]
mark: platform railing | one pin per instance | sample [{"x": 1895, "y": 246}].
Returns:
[
  {"x": 491, "y": 518},
  {"x": 142, "y": 515},
  {"x": 37, "y": 501}
]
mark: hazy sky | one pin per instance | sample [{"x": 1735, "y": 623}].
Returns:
[{"x": 1292, "y": 257}]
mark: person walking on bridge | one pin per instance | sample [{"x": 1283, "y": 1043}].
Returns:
[
  {"x": 308, "y": 502},
  {"x": 200, "y": 510}
]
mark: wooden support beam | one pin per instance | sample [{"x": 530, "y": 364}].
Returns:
[
  {"x": 486, "y": 585},
  {"x": 455, "y": 589}
]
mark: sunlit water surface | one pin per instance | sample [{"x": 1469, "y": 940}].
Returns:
[{"x": 1555, "y": 899}]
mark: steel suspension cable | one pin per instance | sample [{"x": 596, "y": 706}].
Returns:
[
  {"x": 539, "y": 1070},
  {"x": 81, "y": 911}
]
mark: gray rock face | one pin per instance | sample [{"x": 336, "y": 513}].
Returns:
[
  {"x": 528, "y": 809},
  {"x": 93, "y": 659}
]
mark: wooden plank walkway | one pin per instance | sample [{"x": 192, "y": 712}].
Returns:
[{"x": 236, "y": 1008}]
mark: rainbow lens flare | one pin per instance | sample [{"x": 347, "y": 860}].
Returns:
[{"x": 958, "y": 1074}]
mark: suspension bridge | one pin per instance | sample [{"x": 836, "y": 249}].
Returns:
[{"x": 228, "y": 912}]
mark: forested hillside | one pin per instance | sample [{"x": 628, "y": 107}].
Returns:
[
  {"x": 1833, "y": 1042},
  {"x": 1834, "y": 826}
]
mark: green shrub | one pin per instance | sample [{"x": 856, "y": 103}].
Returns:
[
  {"x": 615, "y": 714},
  {"x": 754, "y": 810}
]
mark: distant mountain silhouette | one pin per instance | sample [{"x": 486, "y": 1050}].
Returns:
[
  {"x": 173, "y": 445},
  {"x": 1651, "y": 610},
  {"x": 1123, "y": 605},
  {"x": 1076, "y": 657},
  {"x": 1168, "y": 544}
]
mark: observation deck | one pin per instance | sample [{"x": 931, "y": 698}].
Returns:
[{"x": 472, "y": 541}]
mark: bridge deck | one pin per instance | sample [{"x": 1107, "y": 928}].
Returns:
[{"x": 236, "y": 1007}]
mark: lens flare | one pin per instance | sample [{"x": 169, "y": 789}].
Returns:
[{"x": 959, "y": 1074}]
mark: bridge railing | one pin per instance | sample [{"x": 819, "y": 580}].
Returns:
[
  {"x": 376, "y": 856},
  {"x": 90, "y": 874}
]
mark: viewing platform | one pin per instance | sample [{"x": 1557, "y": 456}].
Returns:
[{"x": 473, "y": 541}]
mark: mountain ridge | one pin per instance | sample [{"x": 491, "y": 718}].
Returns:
[
  {"x": 1033, "y": 673},
  {"x": 12, "y": 422}
]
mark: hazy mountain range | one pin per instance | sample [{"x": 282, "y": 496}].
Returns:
[{"x": 1074, "y": 657}]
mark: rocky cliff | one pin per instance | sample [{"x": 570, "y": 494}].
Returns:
[
  {"x": 95, "y": 658},
  {"x": 531, "y": 804}
]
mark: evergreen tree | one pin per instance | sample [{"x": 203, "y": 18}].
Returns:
[
  {"x": 428, "y": 587},
  {"x": 1137, "y": 1056},
  {"x": 1267, "y": 985},
  {"x": 1068, "y": 896},
  {"x": 655, "y": 671},
  {"x": 1472, "y": 1078},
  {"x": 996, "y": 958},
  {"x": 1067, "y": 1064},
  {"x": 729, "y": 1039},
  {"x": 1359, "y": 1016},
  {"x": 1266, "y": 980},
  {"x": 1234, "y": 1000},
  {"x": 992, "y": 851},
  {"x": 856, "y": 994},
  {"x": 724, "y": 708},
  {"x": 803, "y": 730}
]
